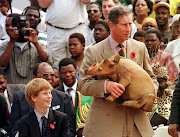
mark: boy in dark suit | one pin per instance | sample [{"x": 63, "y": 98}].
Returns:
[{"x": 43, "y": 121}]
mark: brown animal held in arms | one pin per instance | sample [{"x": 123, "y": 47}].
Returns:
[{"x": 139, "y": 88}]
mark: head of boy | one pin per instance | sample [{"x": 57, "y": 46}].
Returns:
[
  {"x": 38, "y": 93},
  {"x": 76, "y": 44},
  {"x": 68, "y": 71},
  {"x": 101, "y": 30}
]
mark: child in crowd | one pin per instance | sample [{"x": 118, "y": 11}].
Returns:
[
  {"x": 76, "y": 47},
  {"x": 43, "y": 121},
  {"x": 139, "y": 35}
]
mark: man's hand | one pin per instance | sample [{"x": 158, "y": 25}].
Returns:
[
  {"x": 32, "y": 36},
  {"x": 13, "y": 33},
  {"x": 173, "y": 130},
  {"x": 114, "y": 88}
]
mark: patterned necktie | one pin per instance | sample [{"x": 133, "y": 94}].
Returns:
[
  {"x": 44, "y": 126},
  {"x": 121, "y": 52}
]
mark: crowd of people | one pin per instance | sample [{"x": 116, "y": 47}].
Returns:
[{"x": 46, "y": 49}]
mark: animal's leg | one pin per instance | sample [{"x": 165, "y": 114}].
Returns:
[{"x": 145, "y": 103}]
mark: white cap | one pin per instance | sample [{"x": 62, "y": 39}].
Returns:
[{"x": 175, "y": 17}]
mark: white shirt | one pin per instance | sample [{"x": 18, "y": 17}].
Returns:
[
  {"x": 66, "y": 13},
  {"x": 73, "y": 92},
  {"x": 173, "y": 48},
  {"x": 3, "y": 34},
  {"x": 7, "y": 101}
]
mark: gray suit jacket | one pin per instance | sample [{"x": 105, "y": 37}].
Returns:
[{"x": 107, "y": 119}]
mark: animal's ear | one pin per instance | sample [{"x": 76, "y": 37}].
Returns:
[{"x": 117, "y": 58}]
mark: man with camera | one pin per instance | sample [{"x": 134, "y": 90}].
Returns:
[{"x": 19, "y": 55}]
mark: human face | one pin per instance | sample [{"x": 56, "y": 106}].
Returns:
[
  {"x": 175, "y": 30},
  {"x": 75, "y": 47},
  {"x": 178, "y": 8},
  {"x": 151, "y": 42},
  {"x": 100, "y": 33},
  {"x": 33, "y": 17},
  {"x": 68, "y": 75},
  {"x": 45, "y": 69},
  {"x": 121, "y": 31},
  {"x": 3, "y": 83},
  {"x": 141, "y": 8},
  {"x": 162, "y": 16},
  {"x": 107, "y": 5},
  {"x": 94, "y": 13},
  {"x": 57, "y": 80},
  {"x": 43, "y": 99},
  {"x": 147, "y": 26}
]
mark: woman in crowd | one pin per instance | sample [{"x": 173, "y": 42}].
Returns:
[{"x": 141, "y": 9}]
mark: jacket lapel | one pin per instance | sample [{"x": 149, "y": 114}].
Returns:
[
  {"x": 107, "y": 50},
  {"x": 51, "y": 120},
  {"x": 34, "y": 125}
]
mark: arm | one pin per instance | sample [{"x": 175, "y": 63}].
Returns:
[
  {"x": 6, "y": 55},
  {"x": 71, "y": 116},
  {"x": 86, "y": 1},
  {"x": 44, "y": 3},
  {"x": 33, "y": 38},
  {"x": 96, "y": 86}
]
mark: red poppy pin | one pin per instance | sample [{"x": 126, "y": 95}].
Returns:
[
  {"x": 133, "y": 54},
  {"x": 52, "y": 126}
]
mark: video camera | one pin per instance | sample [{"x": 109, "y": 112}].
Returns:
[{"x": 19, "y": 21}]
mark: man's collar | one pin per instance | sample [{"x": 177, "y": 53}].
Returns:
[
  {"x": 114, "y": 44},
  {"x": 74, "y": 87}
]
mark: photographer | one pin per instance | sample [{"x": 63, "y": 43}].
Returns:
[{"x": 19, "y": 55}]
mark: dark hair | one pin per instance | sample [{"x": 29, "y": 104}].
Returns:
[
  {"x": 118, "y": 11},
  {"x": 79, "y": 36},
  {"x": 96, "y": 4},
  {"x": 156, "y": 31},
  {"x": 2, "y": 72},
  {"x": 104, "y": 23},
  {"x": 13, "y": 15},
  {"x": 140, "y": 33},
  {"x": 149, "y": 4},
  {"x": 33, "y": 8},
  {"x": 65, "y": 62}
]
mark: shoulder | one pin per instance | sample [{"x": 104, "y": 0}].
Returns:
[
  {"x": 137, "y": 43},
  {"x": 60, "y": 94}
]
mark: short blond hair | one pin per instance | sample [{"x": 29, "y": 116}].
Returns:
[{"x": 34, "y": 87}]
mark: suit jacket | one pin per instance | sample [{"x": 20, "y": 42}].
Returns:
[
  {"x": 12, "y": 88},
  {"x": 107, "y": 119},
  {"x": 28, "y": 126},
  {"x": 175, "y": 106},
  {"x": 21, "y": 107}
]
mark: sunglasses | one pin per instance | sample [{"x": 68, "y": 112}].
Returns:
[
  {"x": 46, "y": 75},
  {"x": 94, "y": 10}
]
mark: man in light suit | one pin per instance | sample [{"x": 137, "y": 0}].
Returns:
[
  {"x": 107, "y": 119},
  {"x": 60, "y": 102}
]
